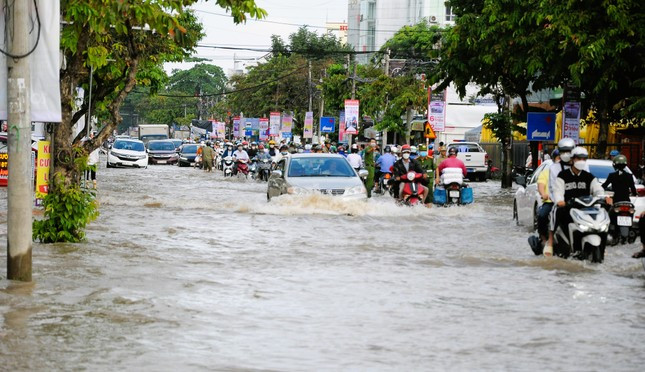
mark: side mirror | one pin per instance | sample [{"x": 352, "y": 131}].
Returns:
[
  {"x": 362, "y": 173},
  {"x": 520, "y": 180},
  {"x": 277, "y": 173}
]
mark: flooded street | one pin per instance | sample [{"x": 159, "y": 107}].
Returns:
[{"x": 184, "y": 270}]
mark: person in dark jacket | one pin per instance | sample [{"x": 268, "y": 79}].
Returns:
[
  {"x": 622, "y": 182},
  {"x": 403, "y": 166}
]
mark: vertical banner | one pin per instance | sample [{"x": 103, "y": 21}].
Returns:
[
  {"x": 221, "y": 130},
  {"x": 287, "y": 126},
  {"x": 42, "y": 176},
  {"x": 341, "y": 127},
  {"x": 264, "y": 129},
  {"x": 308, "y": 131},
  {"x": 351, "y": 116},
  {"x": 214, "y": 127},
  {"x": 274, "y": 122},
  {"x": 437, "y": 110},
  {"x": 248, "y": 127},
  {"x": 236, "y": 126},
  {"x": 571, "y": 121}
]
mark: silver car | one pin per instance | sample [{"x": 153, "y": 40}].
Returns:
[{"x": 331, "y": 174}]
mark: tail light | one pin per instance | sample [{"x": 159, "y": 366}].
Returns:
[{"x": 387, "y": 176}]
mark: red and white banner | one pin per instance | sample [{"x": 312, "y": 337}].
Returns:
[
  {"x": 274, "y": 123},
  {"x": 437, "y": 110},
  {"x": 352, "y": 117}
]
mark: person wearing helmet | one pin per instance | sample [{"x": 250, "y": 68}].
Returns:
[
  {"x": 272, "y": 150},
  {"x": 413, "y": 152},
  {"x": 384, "y": 166},
  {"x": 622, "y": 184},
  {"x": 208, "y": 155},
  {"x": 307, "y": 148},
  {"x": 241, "y": 157},
  {"x": 354, "y": 158},
  {"x": 252, "y": 150},
  {"x": 543, "y": 214},
  {"x": 403, "y": 166},
  {"x": 573, "y": 182},
  {"x": 451, "y": 162},
  {"x": 332, "y": 149},
  {"x": 341, "y": 151},
  {"x": 565, "y": 146},
  {"x": 613, "y": 154}
]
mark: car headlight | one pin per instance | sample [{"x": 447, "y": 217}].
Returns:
[
  {"x": 114, "y": 153},
  {"x": 356, "y": 190},
  {"x": 143, "y": 156},
  {"x": 295, "y": 190}
]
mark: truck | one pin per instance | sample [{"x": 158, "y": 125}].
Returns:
[
  {"x": 149, "y": 132},
  {"x": 474, "y": 157},
  {"x": 182, "y": 134}
]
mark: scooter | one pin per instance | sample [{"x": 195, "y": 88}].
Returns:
[
  {"x": 253, "y": 168},
  {"x": 622, "y": 232},
  {"x": 587, "y": 233},
  {"x": 384, "y": 183},
  {"x": 411, "y": 188},
  {"x": 242, "y": 167},
  {"x": 218, "y": 159},
  {"x": 452, "y": 180},
  {"x": 227, "y": 166},
  {"x": 264, "y": 169}
]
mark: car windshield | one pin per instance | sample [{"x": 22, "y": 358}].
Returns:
[
  {"x": 128, "y": 145},
  {"x": 470, "y": 147},
  {"x": 161, "y": 146},
  {"x": 320, "y": 167},
  {"x": 189, "y": 149},
  {"x": 177, "y": 143},
  {"x": 601, "y": 171}
]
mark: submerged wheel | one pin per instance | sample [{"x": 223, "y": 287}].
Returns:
[{"x": 515, "y": 216}]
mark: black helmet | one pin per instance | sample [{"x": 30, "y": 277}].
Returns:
[
  {"x": 620, "y": 162},
  {"x": 388, "y": 149},
  {"x": 452, "y": 151}
]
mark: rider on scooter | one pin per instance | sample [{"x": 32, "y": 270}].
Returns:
[
  {"x": 571, "y": 183},
  {"x": 384, "y": 165},
  {"x": 403, "y": 166},
  {"x": 451, "y": 162},
  {"x": 240, "y": 156},
  {"x": 621, "y": 181}
]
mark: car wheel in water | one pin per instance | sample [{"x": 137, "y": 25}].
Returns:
[
  {"x": 268, "y": 196},
  {"x": 108, "y": 165},
  {"x": 535, "y": 217}
]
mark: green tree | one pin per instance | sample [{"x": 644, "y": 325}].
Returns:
[{"x": 125, "y": 43}]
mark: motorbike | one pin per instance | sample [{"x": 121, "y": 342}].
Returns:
[
  {"x": 242, "y": 167},
  {"x": 218, "y": 159},
  {"x": 622, "y": 232},
  {"x": 452, "y": 180},
  {"x": 264, "y": 169},
  {"x": 385, "y": 186},
  {"x": 411, "y": 188},
  {"x": 253, "y": 168},
  {"x": 227, "y": 166},
  {"x": 587, "y": 233}
]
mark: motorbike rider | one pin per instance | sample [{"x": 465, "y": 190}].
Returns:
[
  {"x": 622, "y": 184},
  {"x": 253, "y": 150},
  {"x": 403, "y": 166},
  {"x": 537, "y": 242},
  {"x": 451, "y": 162},
  {"x": 354, "y": 158},
  {"x": 384, "y": 165},
  {"x": 571, "y": 183},
  {"x": 262, "y": 153},
  {"x": 565, "y": 146},
  {"x": 429, "y": 166},
  {"x": 272, "y": 150},
  {"x": 240, "y": 156},
  {"x": 413, "y": 152}
]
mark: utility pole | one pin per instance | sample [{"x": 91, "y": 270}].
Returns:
[
  {"x": 20, "y": 188},
  {"x": 310, "y": 98},
  {"x": 387, "y": 73},
  {"x": 349, "y": 141}
]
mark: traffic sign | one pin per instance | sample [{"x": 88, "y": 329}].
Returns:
[
  {"x": 327, "y": 124},
  {"x": 540, "y": 126},
  {"x": 429, "y": 132}
]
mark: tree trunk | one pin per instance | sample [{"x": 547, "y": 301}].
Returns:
[{"x": 603, "y": 134}]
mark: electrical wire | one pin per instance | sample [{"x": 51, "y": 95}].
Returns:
[{"x": 20, "y": 56}]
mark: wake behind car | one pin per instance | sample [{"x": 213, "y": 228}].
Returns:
[
  {"x": 330, "y": 174},
  {"x": 162, "y": 152},
  {"x": 127, "y": 153}
]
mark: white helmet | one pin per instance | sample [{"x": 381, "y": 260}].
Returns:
[
  {"x": 308, "y": 146},
  {"x": 413, "y": 149},
  {"x": 396, "y": 149},
  {"x": 566, "y": 144},
  {"x": 579, "y": 152}
]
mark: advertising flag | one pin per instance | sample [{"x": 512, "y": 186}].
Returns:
[
  {"x": 341, "y": 127},
  {"x": 236, "y": 126},
  {"x": 437, "y": 110},
  {"x": 571, "y": 121},
  {"x": 309, "y": 125},
  {"x": 352, "y": 117},
  {"x": 264, "y": 129},
  {"x": 287, "y": 125},
  {"x": 274, "y": 122}
]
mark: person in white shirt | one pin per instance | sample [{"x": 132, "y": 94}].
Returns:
[
  {"x": 240, "y": 156},
  {"x": 354, "y": 158}
]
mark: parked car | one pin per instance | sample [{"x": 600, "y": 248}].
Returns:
[
  {"x": 527, "y": 199},
  {"x": 328, "y": 174},
  {"x": 187, "y": 154},
  {"x": 162, "y": 152},
  {"x": 177, "y": 142},
  {"x": 127, "y": 153},
  {"x": 474, "y": 157}
]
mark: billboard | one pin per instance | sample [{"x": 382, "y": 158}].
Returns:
[{"x": 351, "y": 116}]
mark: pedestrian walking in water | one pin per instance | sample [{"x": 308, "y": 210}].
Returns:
[{"x": 207, "y": 157}]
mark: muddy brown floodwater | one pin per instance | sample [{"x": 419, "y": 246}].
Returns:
[{"x": 187, "y": 271}]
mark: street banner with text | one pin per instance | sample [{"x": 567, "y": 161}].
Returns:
[{"x": 351, "y": 116}]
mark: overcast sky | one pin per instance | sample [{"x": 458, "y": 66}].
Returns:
[{"x": 221, "y": 31}]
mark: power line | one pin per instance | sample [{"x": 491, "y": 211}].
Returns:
[{"x": 294, "y": 51}]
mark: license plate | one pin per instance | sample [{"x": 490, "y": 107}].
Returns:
[
  {"x": 624, "y": 221},
  {"x": 470, "y": 169},
  {"x": 454, "y": 194},
  {"x": 162, "y": 162}
]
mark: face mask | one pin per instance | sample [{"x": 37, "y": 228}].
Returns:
[
  {"x": 424, "y": 153},
  {"x": 580, "y": 164},
  {"x": 565, "y": 157},
  {"x": 239, "y": 149},
  {"x": 285, "y": 152},
  {"x": 266, "y": 151},
  {"x": 373, "y": 144},
  {"x": 406, "y": 156},
  {"x": 620, "y": 167}
]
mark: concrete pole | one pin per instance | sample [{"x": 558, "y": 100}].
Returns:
[
  {"x": 311, "y": 98},
  {"x": 20, "y": 188},
  {"x": 349, "y": 141},
  {"x": 387, "y": 73}
]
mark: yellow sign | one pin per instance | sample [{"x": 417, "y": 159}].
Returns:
[
  {"x": 42, "y": 176},
  {"x": 429, "y": 132}
]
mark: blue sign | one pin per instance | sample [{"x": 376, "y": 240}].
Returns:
[
  {"x": 286, "y": 134},
  {"x": 327, "y": 124},
  {"x": 248, "y": 132},
  {"x": 540, "y": 126}
]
